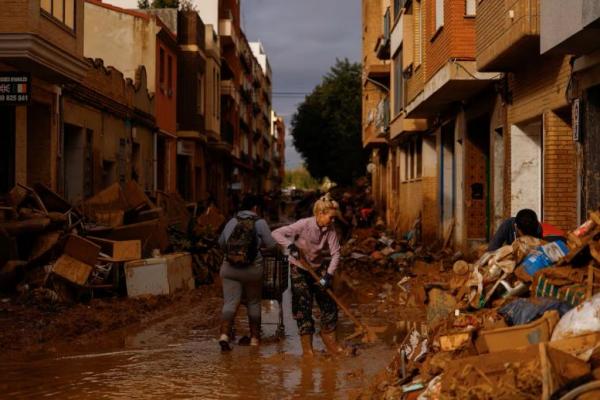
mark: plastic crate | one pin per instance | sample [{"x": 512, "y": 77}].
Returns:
[{"x": 275, "y": 276}]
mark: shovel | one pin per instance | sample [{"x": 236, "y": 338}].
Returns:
[{"x": 368, "y": 333}]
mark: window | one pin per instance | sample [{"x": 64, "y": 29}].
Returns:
[
  {"x": 200, "y": 95},
  {"x": 470, "y": 8},
  {"x": 398, "y": 83},
  {"x": 170, "y": 76},
  {"x": 218, "y": 96},
  {"x": 61, "y": 10},
  {"x": 161, "y": 68},
  {"x": 412, "y": 154},
  {"x": 439, "y": 14}
]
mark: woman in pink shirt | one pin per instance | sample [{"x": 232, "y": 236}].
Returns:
[{"x": 308, "y": 238}]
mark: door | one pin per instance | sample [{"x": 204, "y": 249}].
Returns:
[
  {"x": 477, "y": 178},
  {"x": 7, "y": 148}
]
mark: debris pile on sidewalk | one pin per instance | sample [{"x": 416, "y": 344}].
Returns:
[
  {"x": 54, "y": 251},
  {"x": 522, "y": 321}
]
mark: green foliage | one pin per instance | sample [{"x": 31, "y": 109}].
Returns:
[
  {"x": 299, "y": 178},
  {"x": 142, "y": 4},
  {"x": 326, "y": 128},
  {"x": 165, "y": 3}
]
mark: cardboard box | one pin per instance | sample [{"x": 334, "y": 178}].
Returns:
[
  {"x": 119, "y": 250},
  {"x": 538, "y": 331},
  {"x": 72, "y": 269},
  {"x": 161, "y": 275}
]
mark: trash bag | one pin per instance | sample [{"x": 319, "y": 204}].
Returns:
[
  {"x": 585, "y": 318},
  {"x": 524, "y": 311}
]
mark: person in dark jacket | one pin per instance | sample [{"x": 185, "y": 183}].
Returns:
[
  {"x": 525, "y": 223},
  {"x": 246, "y": 280}
]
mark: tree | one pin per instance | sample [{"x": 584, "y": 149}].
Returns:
[
  {"x": 142, "y": 4},
  {"x": 300, "y": 179},
  {"x": 326, "y": 128}
]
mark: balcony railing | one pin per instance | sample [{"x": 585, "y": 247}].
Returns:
[{"x": 382, "y": 117}]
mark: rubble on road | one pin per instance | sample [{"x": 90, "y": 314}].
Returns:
[
  {"x": 521, "y": 321},
  {"x": 55, "y": 251}
]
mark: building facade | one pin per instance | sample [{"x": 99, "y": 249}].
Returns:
[
  {"x": 474, "y": 134},
  {"x": 45, "y": 47},
  {"x": 125, "y": 40},
  {"x": 92, "y": 94}
]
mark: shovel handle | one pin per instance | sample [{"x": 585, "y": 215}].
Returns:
[{"x": 340, "y": 304}]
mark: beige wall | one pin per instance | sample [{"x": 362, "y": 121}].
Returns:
[{"x": 123, "y": 41}]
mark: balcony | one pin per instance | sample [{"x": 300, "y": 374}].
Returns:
[
  {"x": 506, "y": 31},
  {"x": 228, "y": 90},
  {"x": 455, "y": 81},
  {"x": 569, "y": 30},
  {"x": 379, "y": 71},
  {"x": 227, "y": 32}
]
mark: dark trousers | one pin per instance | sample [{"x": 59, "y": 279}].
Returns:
[{"x": 304, "y": 290}]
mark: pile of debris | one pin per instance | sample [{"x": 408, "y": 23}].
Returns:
[
  {"x": 55, "y": 251},
  {"x": 523, "y": 322}
]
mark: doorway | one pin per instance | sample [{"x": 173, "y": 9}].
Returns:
[
  {"x": 477, "y": 178},
  {"x": 74, "y": 154},
  {"x": 526, "y": 167},
  {"x": 7, "y": 148},
  {"x": 447, "y": 176}
]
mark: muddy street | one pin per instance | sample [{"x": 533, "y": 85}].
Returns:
[{"x": 179, "y": 357}]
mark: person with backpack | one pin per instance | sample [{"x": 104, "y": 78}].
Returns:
[
  {"x": 306, "y": 241},
  {"x": 242, "y": 268}
]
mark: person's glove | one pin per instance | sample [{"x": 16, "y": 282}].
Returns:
[
  {"x": 294, "y": 251},
  {"x": 326, "y": 280}
]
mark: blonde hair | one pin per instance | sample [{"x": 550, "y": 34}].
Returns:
[{"x": 325, "y": 204}]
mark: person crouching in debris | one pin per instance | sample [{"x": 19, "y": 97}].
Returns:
[
  {"x": 525, "y": 223},
  {"x": 242, "y": 268},
  {"x": 304, "y": 241}
]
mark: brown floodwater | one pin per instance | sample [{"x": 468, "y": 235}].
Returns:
[{"x": 177, "y": 359}]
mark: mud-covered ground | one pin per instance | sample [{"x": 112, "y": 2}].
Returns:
[{"x": 37, "y": 325}]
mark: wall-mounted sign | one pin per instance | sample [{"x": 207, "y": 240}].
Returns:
[
  {"x": 15, "y": 88},
  {"x": 576, "y": 109}
]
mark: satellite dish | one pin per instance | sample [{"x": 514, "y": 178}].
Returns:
[{"x": 370, "y": 168}]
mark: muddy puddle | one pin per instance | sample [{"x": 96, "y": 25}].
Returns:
[{"x": 179, "y": 358}]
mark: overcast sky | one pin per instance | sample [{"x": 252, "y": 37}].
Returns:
[{"x": 302, "y": 39}]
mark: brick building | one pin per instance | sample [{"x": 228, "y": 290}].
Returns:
[
  {"x": 126, "y": 39},
  {"x": 574, "y": 31},
  {"x": 109, "y": 131},
  {"x": 38, "y": 41},
  {"x": 162, "y": 98},
  {"x": 475, "y": 134}
]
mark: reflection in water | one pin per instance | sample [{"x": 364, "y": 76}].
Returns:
[{"x": 181, "y": 363}]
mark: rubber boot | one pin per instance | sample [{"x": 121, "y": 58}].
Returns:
[
  {"x": 254, "y": 333},
  {"x": 307, "y": 345},
  {"x": 224, "y": 338},
  {"x": 331, "y": 343}
]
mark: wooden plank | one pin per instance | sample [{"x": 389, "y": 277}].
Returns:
[
  {"x": 82, "y": 249},
  {"x": 119, "y": 250},
  {"x": 72, "y": 269}
]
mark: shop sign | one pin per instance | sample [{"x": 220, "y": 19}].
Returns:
[
  {"x": 15, "y": 88},
  {"x": 185, "y": 148}
]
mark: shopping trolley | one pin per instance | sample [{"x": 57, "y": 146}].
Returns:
[{"x": 275, "y": 281}]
